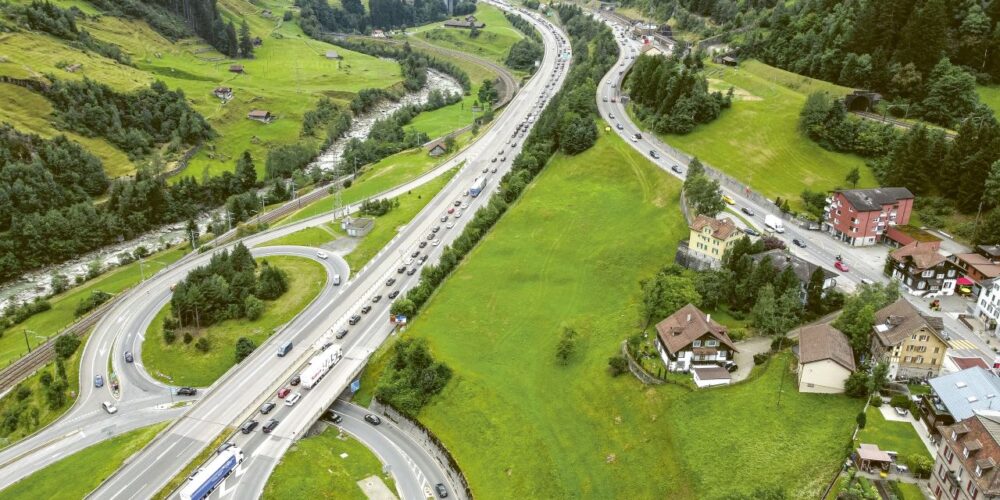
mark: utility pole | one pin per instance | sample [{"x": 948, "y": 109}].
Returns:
[{"x": 26, "y": 340}]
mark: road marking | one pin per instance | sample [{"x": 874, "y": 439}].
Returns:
[
  {"x": 963, "y": 344},
  {"x": 158, "y": 457}
]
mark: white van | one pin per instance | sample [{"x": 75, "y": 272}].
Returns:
[
  {"x": 336, "y": 280},
  {"x": 294, "y": 398},
  {"x": 321, "y": 254}
]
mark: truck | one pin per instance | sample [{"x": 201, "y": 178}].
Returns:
[
  {"x": 319, "y": 365},
  {"x": 477, "y": 186},
  {"x": 773, "y": 223},
  {"x": 204, "y": 482}
]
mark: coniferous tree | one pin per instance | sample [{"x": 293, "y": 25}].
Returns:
[{"x": 246, "y": 40}]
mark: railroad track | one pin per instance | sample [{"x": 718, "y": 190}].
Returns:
[{"x": 896, "y": 123}]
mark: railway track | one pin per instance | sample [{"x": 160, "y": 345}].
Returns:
[{"x": 896, "y": 123}]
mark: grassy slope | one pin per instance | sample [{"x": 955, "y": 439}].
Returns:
[
  {"x": 64, "y": 480},
  {"x": 757, "y": 141},
  {"x": 309, "y": 237},
  {"x": 991, "y": 97},
  {"x": 185, "y": 365},
  {"x": 46, "y": 415},
  {"x": 492, "y": 43},
  {"x": 313, "y": 468},
  {"x": 62, "y": 314},
  {"x": 446, "y": 120}
]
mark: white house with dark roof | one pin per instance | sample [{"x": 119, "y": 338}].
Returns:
[
  {"x": 690, "y": 339},
  {"x": 825, "y": 359}
]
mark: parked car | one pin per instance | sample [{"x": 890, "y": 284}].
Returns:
[
  {"x": 98, "y": 381},
  {"x": 266, "y": 408},
  {"x": 799, "y": 243},
  {"x": 372, "y": 419},
  {"x": 900, "y": 411},
  {"x": 341, "y": 334},
  {"x": 248, "y": 426},
  {"x": 128, "y": 357},
  {"x": 841, "y": 266},
  {"x": 270, "y": 425},
  {"x": 283, "y": 392}
]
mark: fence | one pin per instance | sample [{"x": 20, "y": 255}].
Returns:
[{"x": 637, "y": 370}]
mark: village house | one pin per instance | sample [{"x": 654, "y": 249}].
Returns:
[
  {"x": 825, "y": 359},
  {"x": 922, "y": 267},
  {"x": 236, "y": 68},
  {"x": 332, "y": 54},
  {"x": 378, "y": 34},
  {"x": 224, "y": 93},
  {"x": 711, "y": 237},
  {"x": 650, "y": 50},
  {"x": 689, "y": 339},
  {"x": 988, "y": 305},
  {"x": 979, "y": 266},
  {"x": 260, "y": 115},
  {"x": 965, "y": 466},
  {"x": 957, "y": 396},
  {"x": 437, "y": 148},
  {"x": 911, "y": 343},
  {"x": 860, "y": 217},
  {"x": 802, "y": 268}
]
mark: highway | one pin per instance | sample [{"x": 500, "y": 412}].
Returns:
[{"x": 821, "y": 248}]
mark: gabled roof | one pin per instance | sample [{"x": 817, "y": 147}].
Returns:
[
  {"x": 964, "y": 392},
  {"x": 259, "y": 113},
  {"x": 923, "y": 256},
  {"x": 721, "y": 229},
  {"x": 985, "y": 266},
  {"x": 866, "y": 200},
  {"x": 822, "y": 342},
  {"x": 679, "y": 329},
  {"x": 899, "y": 320},
  {"x": 781, "y": 259},
  {"x": 979, "y": 434}
]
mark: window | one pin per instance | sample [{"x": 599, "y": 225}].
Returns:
[
  {"x": 711, "y": 343},
  {"x": 906, "y": 359},
  {"x": 979, "y": 471},
  {"x": 696, "y": 343},
  {"x": 937, "y": 350},
  {"x": 924, "y": 338},
  {"x": 965, "y": 452},
  {"x": 928, "y": 273},
  {"x": 954, "y": 435}
]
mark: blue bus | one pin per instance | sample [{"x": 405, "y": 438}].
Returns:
[{"x": 477, "y": 186}]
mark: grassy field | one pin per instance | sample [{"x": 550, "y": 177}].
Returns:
[
  {"x": 492, "y": 43},
  {"x": 757, "y": 141},
  {"x": 309, "y": 237},
  {"x": 446, "y": 120},
  {"x": 181, "y": 364},
  {"x": 98, "y": 461},
  {"x": 37, "y": 399},
  {"x": 560, "y": 258},
  {"x": 892, "y": 436},
  {"x": 990, "y": 96},
  {"x": 314, "y": 468},
  {"x": 43, "y": 325}
]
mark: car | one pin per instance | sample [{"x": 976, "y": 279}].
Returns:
[
  {"x": 451, "y": 210},
  {"x": 619, "y": 126},
  {"x": 486, "y": 169},
  {"x": 494, "y": 170},
  {"x": 751, "y": 231},
  {"x": 503, "y": 159},
  {"x": 634, "y": 138},
  {"x": 366, "y": 309},
  {"x": 269, "y": 426},
  {"x": 605, "y": 99},
  {"x": 295, "y": 380},
  {"x": 266, "y": 408},
  {"x": 458, "y": 214},
  {"x": 430, "y": 236},
  {"x": 376, "y": 298},
  {"x": 224, "y": 446},
  {"x": 841, "y": 266},
  {"x": 110, "y": 408},
  {"x": 611, "y": 116},
  {"x": 390, "y": 282},
  {"x": 401, "y": 269},
  {"x": 283, "y": 392},
  {"x": 799, "y": 243},
  {"x": 321, "y": 254},
  {"x": 354, "y": 319},
  {"x": 186, "y": 391},
  {"x": 372, "y": 419},
  {"x": 334, "y": 417},
  {"x": 436, "y": 242},
  {"x": 436, "y": 229},
  {"x": 341, "y": 334},
  {"x": 747, "y": 211},
  {"x": 654, "y": 154},
  {"x": 422, "y": 244},
  {"x": 457, "y": 203},
  {"x": 98, "y": 381},
  {"x": 248, "y": 426},
  {"x": 729, "y": 201},
  {"x": 730, "y": 366},
  {"x": 423, "y": 258},
  {"x": 677, "y": 169},
  {"x": 866, "y": 281},
  {"x": 411, "y": 272},
  {"x": 900, "y": 411},
  {"x": 128, "y": 357},
  {"x": 441, "y": 490},
  {"x": 513, "y": 144},
  {"x": 415, "y": 254},
  {"x": 393, "y": 294},
  {"x": 294, "y": 398}
]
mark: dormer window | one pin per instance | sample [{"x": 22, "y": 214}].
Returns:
[
  {"x": 696, "y": 343},
  {"x": 965, "y": 452},
  {"x": 954, "y": 436},
  {"x": 979, "y": 471}
]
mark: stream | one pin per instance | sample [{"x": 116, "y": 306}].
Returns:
[{"x": 37, "y": 283}]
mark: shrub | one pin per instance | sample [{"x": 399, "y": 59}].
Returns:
[
  {"x": 66, "y": 345},
  {"x": 738, "y": 334},
  {"x": 617, "y": 365},
  {"x": 203, "y": 345},
  {"x": 244, "y": 347},
  {"x": 877, "y": 401},
  {"x": 188, "y": 338},
  {"x": 862, "y": 419},
  {"x": 900, "y": 401},
  {"x": 287, "y": 16},
  {"x": 23, "y": 392},
  {"x": 254, "y": 308},
  {"x": 90, "y": 303},
  {"x": 45, "y": 379},
  {"x": 759, "y": 359},
  {"x": 169, "y": 336},
  {"x": 921, "y": 465},
  {"x": 857, "y": 384}
]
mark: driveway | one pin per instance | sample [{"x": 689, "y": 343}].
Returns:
[{"x": 745, "y": 350}]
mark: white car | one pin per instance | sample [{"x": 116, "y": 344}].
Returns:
[
  {"x": 321, "y": 254},
  {"x": 436, "y": 242},
  {"x": 294, "y": 398},
  {"x": 465, "y": 205},
  {"x": 458, "y": 213},
  {"x": 110, "y": 408},
  {"x": 450, "y": 225}
]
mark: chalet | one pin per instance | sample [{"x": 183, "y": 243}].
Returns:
[
  {"x": 236, "y": 68},
  {"x": 913, "y": 344},
  {"x": 260, "y": 115},
  {"x": 923, "y": 268},
  {"x": 224, "y": 93},
  {"x": 689, "y": 338},
  {"x": 650, "y": 50},
  {"x": 436, "y": 148},
  {"x": 825, "y": 359},
  {"x": 378, "y": 34},
  {"x": 332, "y": 54}
]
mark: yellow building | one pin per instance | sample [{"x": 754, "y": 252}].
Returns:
[
  {"x": 913, "y": 344},
  {"x": 710, "y": 237}
]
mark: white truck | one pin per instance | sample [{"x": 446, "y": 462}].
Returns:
[
  {"x": 773, "y": 223},
  {"x": 319, "y": 365}
]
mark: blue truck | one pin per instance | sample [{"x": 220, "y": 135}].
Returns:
[{"x": 204, "y": 482}]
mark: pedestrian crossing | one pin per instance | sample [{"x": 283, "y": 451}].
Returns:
[{"x": 962, "y": 344}]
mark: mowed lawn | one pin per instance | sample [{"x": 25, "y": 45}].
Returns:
[
  {"x": 77, "y": 475},
  {"x": 757, "y": 141},
  {"x": 493, "y": 42},
  {"x": 183, "y": 364},
  {"x": 990, "y": 96},
  {"x": 48, "y": 323},
  {"x": 314, "y": 468},
  {"x": 900, "y": 437},
  {"x": 571, "y": 253}
]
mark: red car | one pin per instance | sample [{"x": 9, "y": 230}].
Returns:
[
  {"x": 283, "y": 392},
  {"x": 841, "y": 266}
]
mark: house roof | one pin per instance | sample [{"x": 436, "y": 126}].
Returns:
[
  {"x": 259, "y": 113},
  {"x": 866, "y": 200},
  {"x": 360, "y": 223},
  {"x": 872, "y": 453},
  {"x": 984, "y": 265},
  {"x": 964, "y": 392},
  {"x": 821, "y": 342},
  {"x": 332, "y": 54},
  {"x": 898, "y": 320},
  {"x": 712, "y": 373},
  {"x": 679, "y": 329},
  {"x": 968, "y": 362},
  {"x": 781, "y": 259},
  {"x": 991, "y": 250},
  {"x": 730, "y": 59},
  {"x": 923, "y": 256},
  {"x": 980, "y": 435},
  {"x": 721, "y": 229}
]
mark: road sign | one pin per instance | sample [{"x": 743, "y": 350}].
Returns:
[{"x": 356, "y": 386}]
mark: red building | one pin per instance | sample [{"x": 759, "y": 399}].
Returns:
[{"x": 861, "y": 216}]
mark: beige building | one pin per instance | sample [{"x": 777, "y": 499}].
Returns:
[
  {"x": 710, "y": 237},
  {"x": 965, "y": 467},
  {"x": 913, "y": 344},
  {"x": 825, "y": 359}
]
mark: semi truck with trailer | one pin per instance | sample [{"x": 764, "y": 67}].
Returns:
[
  {"x": 477, "y": 186},
  {"x": 319, "y": 365},
  {"x": 212, "y": 475}
]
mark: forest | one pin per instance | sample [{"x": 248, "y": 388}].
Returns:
[
  {"x": 61, "y": 23},
  {"x": 319, "y": 17},
  {"x": 671, "y": 94}
]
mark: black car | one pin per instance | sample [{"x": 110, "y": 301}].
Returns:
[
  {"x": 415, "y": 254},
  {"x": 186, "y": 391},
  {"x": 393, "y": 294},
  {"x": 341, "y": 334},
  {"x": 411, "y": 272},
  {"x": 354, "y": 319},
  {"x": 677, "y": 168},
  {"x": 751, "y": 231},
  {"x": 373, "y": 419},
  {"x": 401, "y": 269},
  {"x": 430, "y": 236},
  {"x": 295, "y": 380},
  {"x": 266, "y": 408},
  {"x": 799, "y": 243},
  {"x": 390, "y": 282},
  {"x": 376, "y": 298},
  {"x": 128, "y": 357},
  {"x": 270, "y": 425},
  {"x": 248, "y": 426},
  {"x": 441, "y": 490},
  {"x": 457, "y": 203},
  {"x": 423, "y": 244},
  {"x": 364, "y": 310},
  {"x": 747, "y": 211},
  {"x": 423, "y": 258},
  {"x": 653, "y": 153},
  {"x": 334, "y": 416}
]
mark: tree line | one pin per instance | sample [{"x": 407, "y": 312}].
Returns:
[
  {"x": 595, "y": 52},
  {"x": 671, "y": 94},
  {"x": 318, "y": 16}
]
